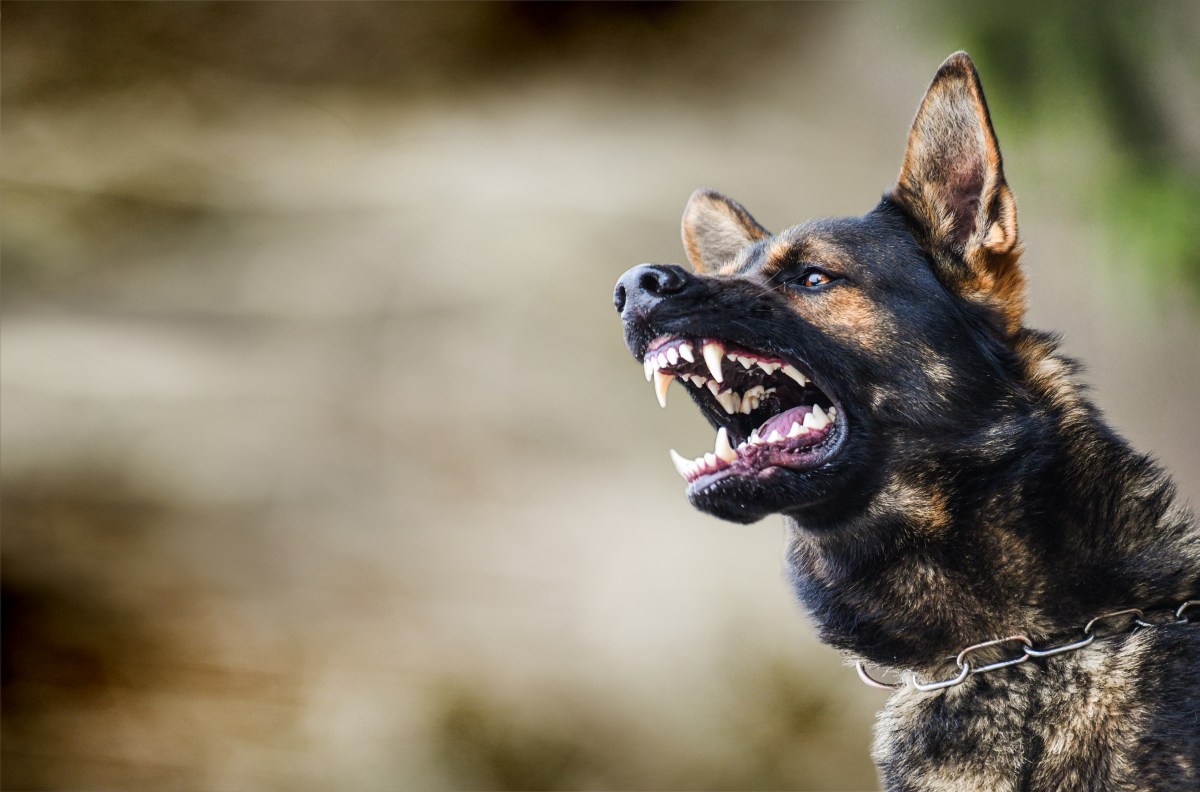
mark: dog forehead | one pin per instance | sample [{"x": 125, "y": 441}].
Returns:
[{"x": 845, "y": 243}]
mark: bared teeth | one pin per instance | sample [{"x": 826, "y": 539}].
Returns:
[
  {"x": 662, "y": 360},
  {"x": 723, "y": 449},
  {"x": 685, "y": 352},
  {"x": 648, "y": 364},
  {"x": 775, "y": 436},
  {"x": 823, "y": 418},
  {"x": 714, "y": 354},
  {"x": 812, "y": 422},
  {"x": 662, "y": 381},
  {"x": 672, "y": 356},
  {"x": 797, "y": 429}
]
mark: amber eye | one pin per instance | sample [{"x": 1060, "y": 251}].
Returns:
[{"x": 814, "y": 278}]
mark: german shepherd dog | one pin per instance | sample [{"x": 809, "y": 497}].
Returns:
[{"x": 958, "y": 513}]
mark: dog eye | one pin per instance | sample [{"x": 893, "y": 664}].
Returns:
[{"x": 812, "y": 278}]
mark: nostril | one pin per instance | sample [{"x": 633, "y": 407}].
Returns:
[
  {"x": 619, "y": 297},
  {"x": 662, "y": 280}
]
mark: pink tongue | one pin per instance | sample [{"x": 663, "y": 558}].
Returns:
[{"x": 783, "y": 422}]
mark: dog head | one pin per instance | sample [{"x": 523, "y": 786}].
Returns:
[{"x": 836, "y": 352}]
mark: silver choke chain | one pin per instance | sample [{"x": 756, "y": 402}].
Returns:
[{"x": 1135, "y": 620}]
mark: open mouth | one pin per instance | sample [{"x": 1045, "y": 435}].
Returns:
[{"x": 768, "y": 411}]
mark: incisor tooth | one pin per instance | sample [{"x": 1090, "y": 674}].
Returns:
[
  {"x": 662, "y": 381},
  {"x": 795, "y": 374},
  {"x": 662, "y": 360},
  {"x": 714, "y": 353},
  {"x": 723, "y": 449},
  {"x": 648, "y": 365},
  {"x": 685, "y": 352},
  {"x": 672, "y": 356},
  {"x": 796, "y": 430}
]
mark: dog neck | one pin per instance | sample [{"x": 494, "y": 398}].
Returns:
[{"x": 1038, "y": 541}]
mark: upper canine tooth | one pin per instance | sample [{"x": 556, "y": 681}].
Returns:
[
  {"x": 796, "y": 430},
  {"x": 685, "y": 352},
  {"x": 672, "y": 356},
  {"x": 795, "y": 374},
  {"x": 682, "y": 466},
  {"x": 724, "y": 450},
  {"x": 714, "y": 353},
  {"x": 662, "y": 381}
]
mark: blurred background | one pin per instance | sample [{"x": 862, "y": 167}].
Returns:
[{"x": 323, "y": 463}]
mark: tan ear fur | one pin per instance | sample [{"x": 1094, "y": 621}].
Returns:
[
  {"x": 952, "y": 182},
  {"x": 715, "y": 229}
]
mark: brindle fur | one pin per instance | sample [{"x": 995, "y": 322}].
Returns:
[{"x": 980, "y": 493}]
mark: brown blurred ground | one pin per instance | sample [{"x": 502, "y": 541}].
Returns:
[{"x": 323, "y": 463}]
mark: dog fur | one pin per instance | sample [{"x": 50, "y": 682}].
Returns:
[{"x": 974, "y": 493}]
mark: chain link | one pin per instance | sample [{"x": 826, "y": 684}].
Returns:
[{"x": 1134, "y": 620}]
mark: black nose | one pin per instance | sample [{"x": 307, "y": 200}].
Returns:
[{"x": 646, "y": 284}]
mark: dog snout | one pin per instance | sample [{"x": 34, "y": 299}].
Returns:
[{"x": 644, "y": 286}]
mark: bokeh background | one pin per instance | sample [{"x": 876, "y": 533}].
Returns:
[{"x": 323, "y": 463}]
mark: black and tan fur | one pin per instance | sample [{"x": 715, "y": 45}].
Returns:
[{"x": 978, "y": 493}]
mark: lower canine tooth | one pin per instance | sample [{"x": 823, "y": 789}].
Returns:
[
  {"x": 714, "y": 354},
  {"x": 682, "y": 466},
  {"x": 723, "y": 449},
  {"x": 662, "y": 381}
]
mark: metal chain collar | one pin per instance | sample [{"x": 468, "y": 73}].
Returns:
[{"x": 1135, "y": 620}]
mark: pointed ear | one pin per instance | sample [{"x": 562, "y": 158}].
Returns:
[
  {"x": 952, "y": 183},
  {"x": 716, "y": 229}
]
